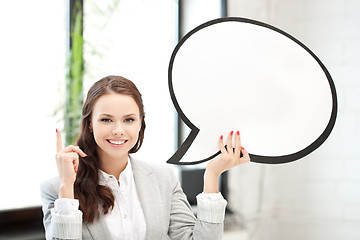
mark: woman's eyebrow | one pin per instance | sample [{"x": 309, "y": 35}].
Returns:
[
  {"x": 109, "y": 115},
  {"x": 105, "y": 115},
  {"x": 129, "y": 115}
]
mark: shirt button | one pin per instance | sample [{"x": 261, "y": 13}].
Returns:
[{"x": 125, "y": 215}]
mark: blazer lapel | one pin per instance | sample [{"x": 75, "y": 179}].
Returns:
[
  {"x": 150, "y": 198},
  {"x": 96, "y": 230}
]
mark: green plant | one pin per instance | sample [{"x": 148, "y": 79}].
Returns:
[{"x": 74, "y": 78}]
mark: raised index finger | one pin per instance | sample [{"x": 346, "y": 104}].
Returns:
[{"x": 59, "y": 145}]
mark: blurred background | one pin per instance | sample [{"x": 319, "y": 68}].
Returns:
[{"x": 53, "y": 51}]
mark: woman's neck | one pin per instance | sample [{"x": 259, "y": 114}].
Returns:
[{"x": 113, "y": 165}]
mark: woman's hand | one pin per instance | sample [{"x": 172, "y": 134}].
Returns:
[
  {"x": 230, "y": 157},
  {"x": 67, "y": 161}
]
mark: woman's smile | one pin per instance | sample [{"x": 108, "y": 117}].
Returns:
[{"x": 116, "y": 142}]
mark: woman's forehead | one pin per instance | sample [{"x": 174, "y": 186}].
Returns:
[{"x": 116, "y": 104}]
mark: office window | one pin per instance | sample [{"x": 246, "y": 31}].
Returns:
[{"x": 32, "y": 61}]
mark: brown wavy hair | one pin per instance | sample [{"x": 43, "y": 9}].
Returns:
[{"x": 91, "y": 195}]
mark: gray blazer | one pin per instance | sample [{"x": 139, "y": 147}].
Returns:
[{"x": 166, "y": 209}]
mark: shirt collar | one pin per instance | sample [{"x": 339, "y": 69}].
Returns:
[{"x": 125, "y": 175}]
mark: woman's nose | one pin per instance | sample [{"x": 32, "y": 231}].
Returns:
[{"x": 118, "y": 129}]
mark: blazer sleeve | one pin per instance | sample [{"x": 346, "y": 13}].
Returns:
[
  {"x": 184, "y": 225},
  {"x": 58, "y": 225}
]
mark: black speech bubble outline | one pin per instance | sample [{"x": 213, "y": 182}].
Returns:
[{"x": 175, "y": 159}]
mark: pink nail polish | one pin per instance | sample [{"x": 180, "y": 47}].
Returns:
[
  {"x": 57, "y": 130},
  {"x": 221, "y": 137},
  {"x": 238, "y": 133},
  {"x": 232, "y": 132},
  {"x": 242, "y": 148}
]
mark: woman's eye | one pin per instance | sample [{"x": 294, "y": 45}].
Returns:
[
  {"x": 106, "y": 120},
  {"x": 129, "y": 120}
]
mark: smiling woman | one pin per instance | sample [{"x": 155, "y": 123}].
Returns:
[
  {"x": 106, "y": 112},
  {"x": 116, "y": 120},
  {"x": 119, "y": 192}
]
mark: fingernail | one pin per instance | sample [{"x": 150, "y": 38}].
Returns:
[
  {"x": 232, "y": 132},
  {"x": 221, "y": 137},
  {"x": 76, "y": 170},
  {"x": 57, "y": 130},
  {"x": 238, "y": 133},
  {"x": 242, "y": 148}
]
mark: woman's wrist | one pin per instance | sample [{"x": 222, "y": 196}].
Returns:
[
  {"x": 211, "y": 184},
  {"x": 66, "y": 191}
]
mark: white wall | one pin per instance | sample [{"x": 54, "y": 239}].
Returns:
[{"x": 317, "y": 197}]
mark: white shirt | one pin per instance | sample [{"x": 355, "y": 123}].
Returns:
[{"x": 126, "y": 220}]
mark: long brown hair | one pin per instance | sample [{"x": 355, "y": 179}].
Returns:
[{"x": 91, "y": 195}]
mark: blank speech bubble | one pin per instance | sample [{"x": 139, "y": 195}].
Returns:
[{"x": 240, "y": 74}]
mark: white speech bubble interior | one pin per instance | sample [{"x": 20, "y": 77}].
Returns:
[{"x": 235, "y": 75}]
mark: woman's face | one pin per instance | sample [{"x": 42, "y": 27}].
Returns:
[{"x": 115, "y": 124}]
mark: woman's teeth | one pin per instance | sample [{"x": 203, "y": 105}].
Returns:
[{"x": 116, "y": 142}]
